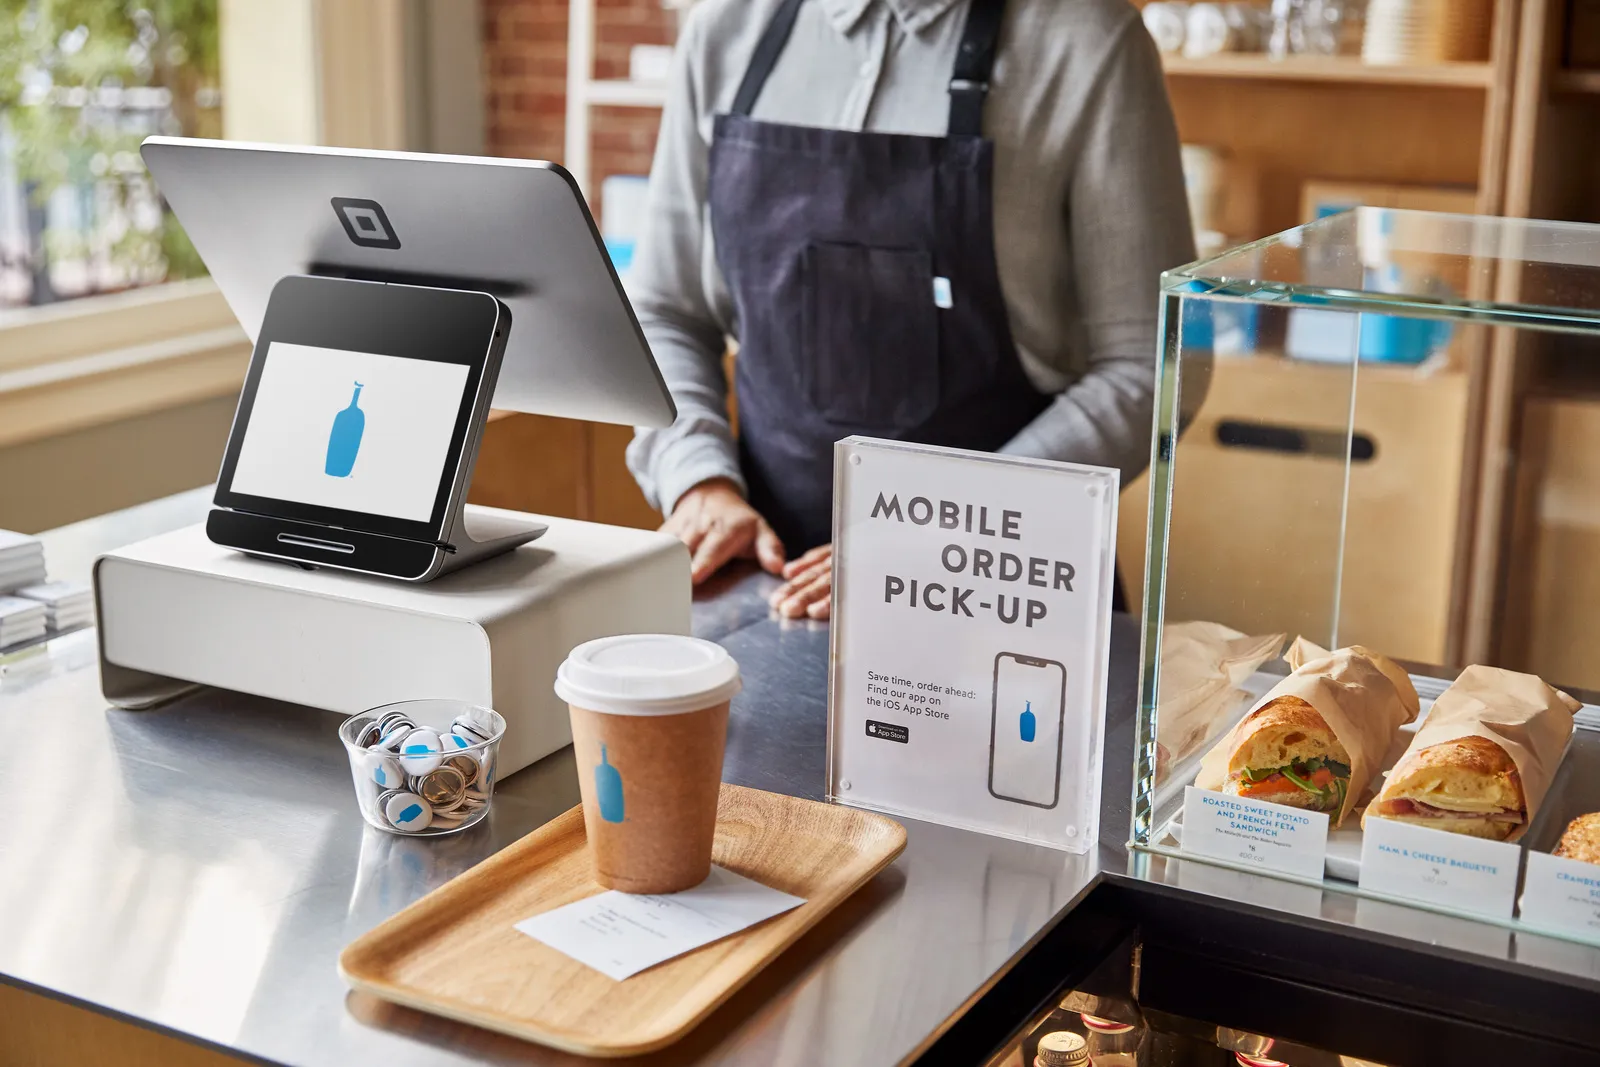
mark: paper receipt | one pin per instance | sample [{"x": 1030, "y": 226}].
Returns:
[{"x": 621, "y": 934}]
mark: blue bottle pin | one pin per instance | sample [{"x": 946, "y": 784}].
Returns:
[
  {"x": 1029, "y": 724},
  {"x": 608, "y": 788},
  {"x": 345, "y": 439}
]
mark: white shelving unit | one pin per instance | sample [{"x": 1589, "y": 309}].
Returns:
[{"x": 585, "y": 91}]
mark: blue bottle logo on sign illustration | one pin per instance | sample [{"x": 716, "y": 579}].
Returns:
[
  {"x": 608, "y": 788},
  {"x": 1029, "y": 724},
  {"x": 345, "y": 439}
]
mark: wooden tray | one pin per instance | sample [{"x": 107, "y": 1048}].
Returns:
[{"x": 455, "y": 953}]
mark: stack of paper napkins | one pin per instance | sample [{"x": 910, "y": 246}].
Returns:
[
  {"x": 20, "y": 620},
  {"x": 21, "y": 561},
  {"x": 67, "y": 605}
]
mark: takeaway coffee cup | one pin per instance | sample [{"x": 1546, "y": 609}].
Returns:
[{"x": 649, "y": 719}]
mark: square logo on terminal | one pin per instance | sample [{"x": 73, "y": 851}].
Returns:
[{"x": 365, "y": 223}]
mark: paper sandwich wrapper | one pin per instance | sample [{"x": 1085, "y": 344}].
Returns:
[
  {"x": 1527, "y": 718},
  {"x": 1363, "y": 696},
  {"x": 1203, "y": 664}
]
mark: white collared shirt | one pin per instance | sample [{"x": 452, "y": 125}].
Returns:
[{"x": 1089, "y": 204}]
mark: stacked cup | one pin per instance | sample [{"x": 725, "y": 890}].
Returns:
[{"x": 649, "y": 723}]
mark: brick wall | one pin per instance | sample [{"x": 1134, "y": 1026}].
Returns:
[{"x": 525, "y": 44}]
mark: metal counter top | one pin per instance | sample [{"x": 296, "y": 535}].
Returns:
[{"x": 197, "y": 868}]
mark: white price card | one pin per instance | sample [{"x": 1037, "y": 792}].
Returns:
[
  {"x": 971, "y": 636},
  {"x": 1451, "y": 870},
  {"x": 1562, "y": 894},
  {"x": 1273, "y": 837}
]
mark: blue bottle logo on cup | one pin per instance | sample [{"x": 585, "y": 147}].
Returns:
[
  {"x": 608, "y": 788},
  {"x": 344, "y": 441},
  {"x": 1030, "y": 723}
]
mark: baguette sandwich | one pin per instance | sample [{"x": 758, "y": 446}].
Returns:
[
  {"x": 1581, "y": 841},
  {"x": 1316, "y": 734},
  {"x": 1483, "y": 759},
  {"x": 1466, "y": 786},
  {"x": 1285, "y": 753}
]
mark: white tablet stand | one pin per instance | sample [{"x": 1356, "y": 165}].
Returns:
[
  {"x": 177, "y": 612},
  {"x": 180, "y": 611}
]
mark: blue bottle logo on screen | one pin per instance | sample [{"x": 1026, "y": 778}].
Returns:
[
  {"x": 1029, "y": 725},
  {"x": 345, "y": 439},
  {"x": 608, "y": 788}
]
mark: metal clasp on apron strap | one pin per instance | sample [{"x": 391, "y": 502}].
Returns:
[{"x": 969, "y": 80}]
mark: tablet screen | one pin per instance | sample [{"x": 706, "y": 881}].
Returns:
[{"x": 356, "y": 431}]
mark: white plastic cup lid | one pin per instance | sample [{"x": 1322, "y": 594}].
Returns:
[{"x": 647, "y": 674}]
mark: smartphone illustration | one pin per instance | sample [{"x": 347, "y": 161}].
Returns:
[{"x": 1030, "y": 706}]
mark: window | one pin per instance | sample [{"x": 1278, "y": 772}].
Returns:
[{"x": 82, "y": 82}]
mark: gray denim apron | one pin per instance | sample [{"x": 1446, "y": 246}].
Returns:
[{"x": 865, "y": 292}]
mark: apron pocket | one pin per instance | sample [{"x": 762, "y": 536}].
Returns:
[{"x": 871, "y": 335}]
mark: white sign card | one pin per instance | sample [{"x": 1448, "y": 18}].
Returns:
[
  {"x": 1562, "y": 894},
  {"x": 1271, "y": 837},
  {"x": 971, "y": 637},
  {"x": 1451, "y": 870}
]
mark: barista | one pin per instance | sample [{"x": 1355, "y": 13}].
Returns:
[{"x": 938, "y": 221}]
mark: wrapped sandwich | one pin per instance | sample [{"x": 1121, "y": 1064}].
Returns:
[
  {"x": 1202, "y": 666},
  {"x": 1482, "y": 761},
  {"x": 1581, "y": 841},
  {"x": 1319, "y": 736}
]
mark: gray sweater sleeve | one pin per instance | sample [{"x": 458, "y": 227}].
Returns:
[
  {"x": 670, "y": 287},
  {"x": 1128, "y": 220}
]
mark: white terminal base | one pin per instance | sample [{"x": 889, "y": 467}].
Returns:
[{"x": 177, "y": 611}]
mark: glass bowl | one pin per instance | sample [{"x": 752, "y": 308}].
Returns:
[{"x": 423, "y": 768}]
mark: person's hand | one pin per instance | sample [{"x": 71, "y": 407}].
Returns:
[
  {"x": 717, "y": 524},
  {"x": 807, "y": 591}
]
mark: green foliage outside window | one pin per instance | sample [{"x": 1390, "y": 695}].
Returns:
[{"x": 82, "y": 82}]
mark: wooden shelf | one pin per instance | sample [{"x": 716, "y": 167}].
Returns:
[
  {"x": 1330, "y": 69},
  {"x": 1577, "y": 81}
]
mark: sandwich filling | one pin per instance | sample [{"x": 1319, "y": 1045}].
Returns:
[
  {"x": 1468, "y": 785},
  {"x": 1318, "y": 783},
  {"x": 1405, "y": 806}
]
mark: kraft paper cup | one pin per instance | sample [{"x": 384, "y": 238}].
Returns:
[{"x": 649, "y": 723}]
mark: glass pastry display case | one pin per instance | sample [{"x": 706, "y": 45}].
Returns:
[{"x": 1345, "y": 562}]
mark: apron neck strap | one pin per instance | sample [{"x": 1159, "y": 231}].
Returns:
[
  {"x": 768, "y": 49},
  {"x": 969, "y": 81}
]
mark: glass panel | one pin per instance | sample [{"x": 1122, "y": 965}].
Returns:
[
  {"x": 1408, "y": 486},
  {"x": 1318, "y": 470},
  {"x": 1254, "y": 513},
  {"x": 1516, "y": 271}
]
